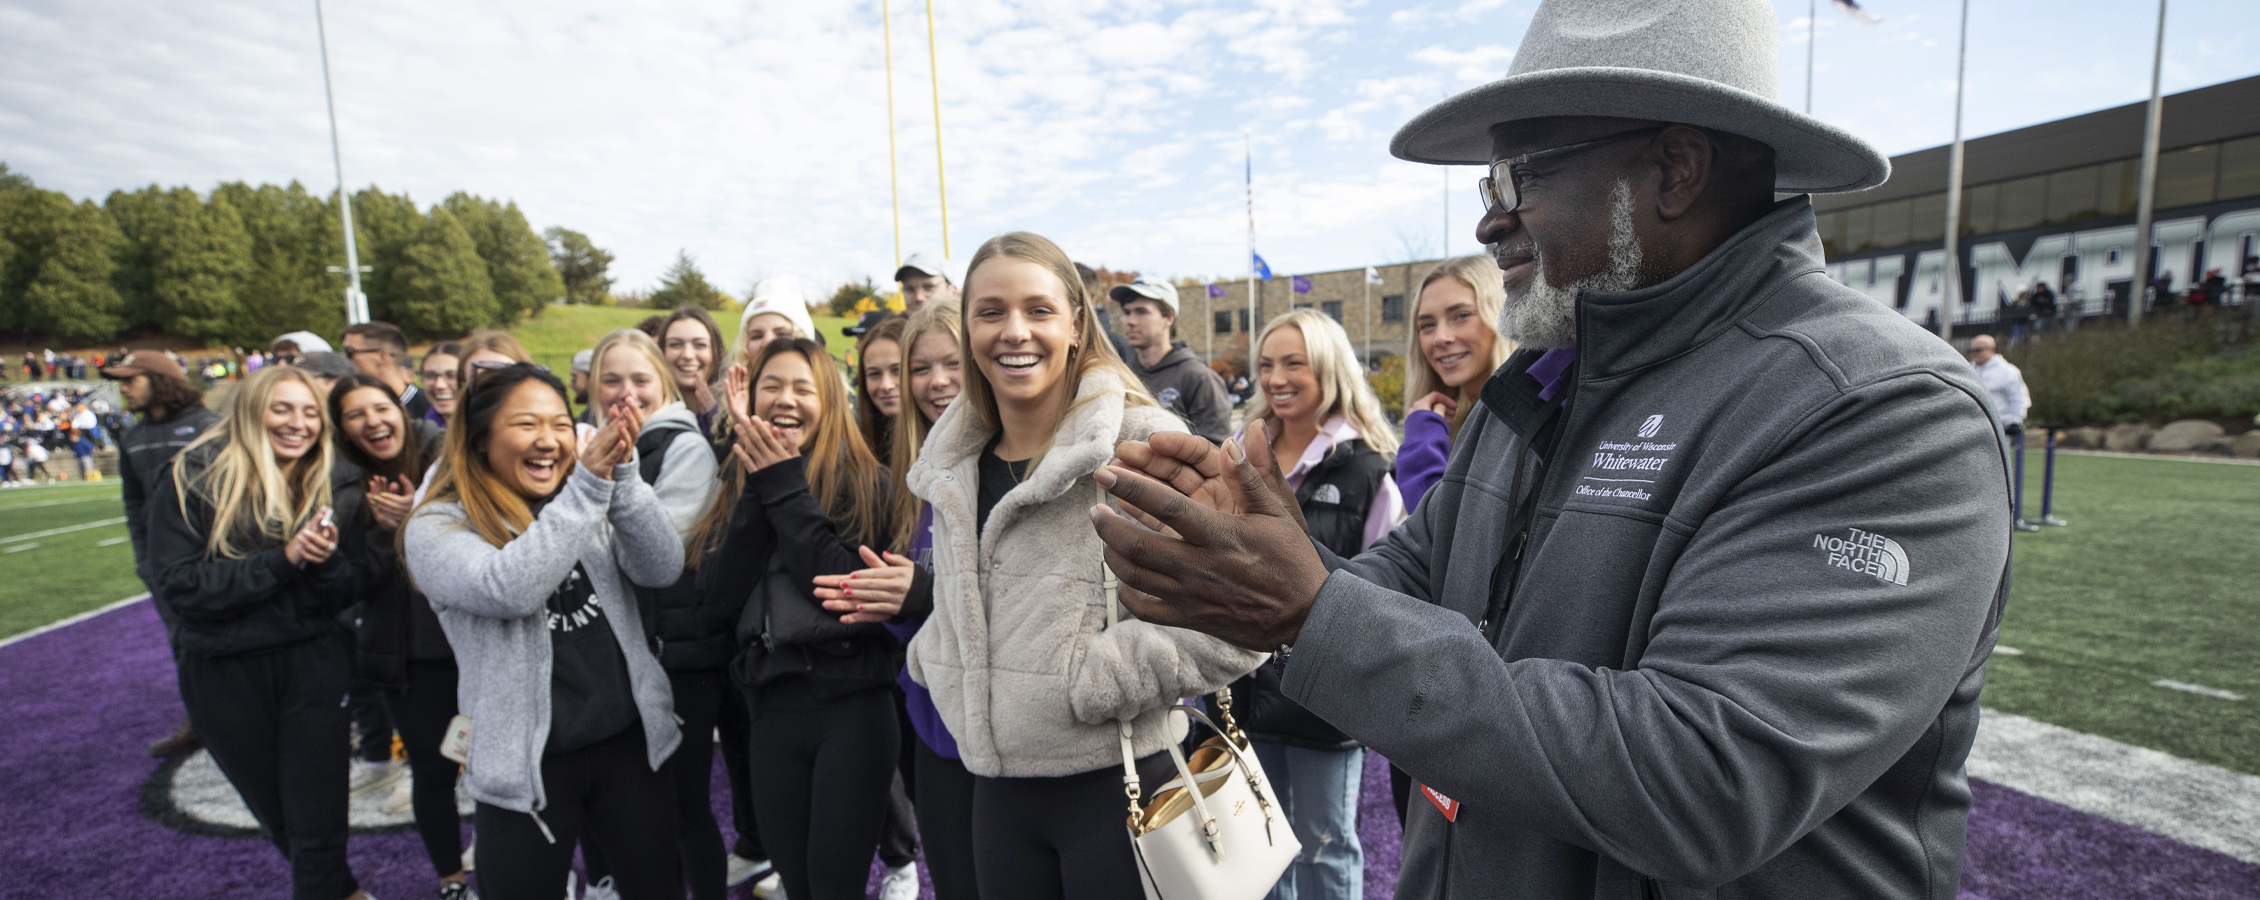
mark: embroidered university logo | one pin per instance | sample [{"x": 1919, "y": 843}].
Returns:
[
  {"x": 1327, "y": 493},
  {"x": 1168, "y": 398},
  {"x": 1865, "y": 552},
  {"x": 1654, "y": 424}
]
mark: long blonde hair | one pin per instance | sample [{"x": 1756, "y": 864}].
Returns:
[
  {"x": 250, "y": 496},
  {"x": 846, "y": 479},
  {"x": 1092, "y": 352},
  {"x": 1481, "y": 275},
  {"x": 641, "y": 343},
  {"x": 1342, "y": 390},
  {"x": 911, "y": 424}
]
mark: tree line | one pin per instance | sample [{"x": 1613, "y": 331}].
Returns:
[{"x": 243, "y": 263}]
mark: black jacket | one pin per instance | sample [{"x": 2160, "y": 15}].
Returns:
[
  {"x": 143, "y": 452},
  {"x": 1336, "y": 519},
  {"x": 690, "y": 628},
  {"x": 1186, "y": 386},
  {"x": 397, "y": 623},
  {"x": 778, "y": 516},
  {"x": 258, "y": 602}
]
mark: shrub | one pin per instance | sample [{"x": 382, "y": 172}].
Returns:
[{"x": 2190, "y": 365}]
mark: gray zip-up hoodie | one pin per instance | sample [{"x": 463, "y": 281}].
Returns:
[
  {"x": 1739, "y": 654},
  {"x": 492, "y": 603}
]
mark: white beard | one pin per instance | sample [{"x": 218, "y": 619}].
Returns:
[{"x": 1545, "y": 316}]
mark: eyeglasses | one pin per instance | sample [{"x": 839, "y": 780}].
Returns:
[
  {"x": 351, "y": 352},
  {"x": 435, "y": 377},
  {"x": 1501, "y": 189}
]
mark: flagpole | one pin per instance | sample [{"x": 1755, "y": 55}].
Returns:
[
  {"x": 1368, "y": 319},
  {"x": 1812, "y": 33},
  {"x": 356, "y": 303},
  {"x": 894, "y": 174},
  {"x": 941, "y": 170},
  {"x": 1248, "y": 330},
  {"x": 1951, "y": 266},
  {"x": 2144, "y": 210}
]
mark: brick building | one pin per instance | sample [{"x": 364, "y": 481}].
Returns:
[{"x": 1377, "y": 329}]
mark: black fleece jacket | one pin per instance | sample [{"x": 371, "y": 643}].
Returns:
[
  {"x": 778, "y": 517},
  {"x": 397, "y": 622},
  {"x": 258, "y": 602}
]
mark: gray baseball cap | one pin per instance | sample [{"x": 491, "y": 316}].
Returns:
[
  {"x": 1161, "y": 292},
  {"x": 582, "y": 359}
]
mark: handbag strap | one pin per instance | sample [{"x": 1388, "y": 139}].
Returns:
[{"x": 1130, "y": 787}]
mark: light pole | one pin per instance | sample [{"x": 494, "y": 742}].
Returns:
[
  {"x": 356, "y": 303},
  {"x": 2147, "y": 205},
  {"x": 1951, "y": 266}
]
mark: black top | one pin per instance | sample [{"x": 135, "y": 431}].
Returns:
[
  {"x": 590, "y": 698},
  {"x": 397, "y": 622},
  {"x": 143, "y": 454},
  {"x": 998, "y": 477}
]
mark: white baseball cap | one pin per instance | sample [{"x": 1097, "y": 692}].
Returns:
[
  {"x": 923, "y": 264},
  {"x": 1161, "y": 292},
  {"x": 582, "y": 359}
]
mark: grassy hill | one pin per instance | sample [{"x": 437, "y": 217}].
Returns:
[{"x": 561, "y": 331}]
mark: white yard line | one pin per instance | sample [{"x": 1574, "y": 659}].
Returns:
[
  {"x": 19, "y": 548},
  {"x": 54, "y": 503},
  {"x": 112, "y": 542},
  {"x": 2198, "y": 689},
  {"x": 2191, "y": 802},
  {"x": 81, "y": 617},
  {"x": 82, "y": 526}
]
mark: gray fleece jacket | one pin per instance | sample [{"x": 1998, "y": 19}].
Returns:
[
  {"x": 491, "y": 601},
  {"x": 1739, "y": 654},
  {"x": 1017, "y": 652},
  {"x": 687, "y": 482}
]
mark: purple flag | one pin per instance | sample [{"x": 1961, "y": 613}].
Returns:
[
  {"x": 1215, "y": 291},
  {"x": 1302, "y": 285}
]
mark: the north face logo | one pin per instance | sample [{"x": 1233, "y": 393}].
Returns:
[
  {"x": 1327, "y": 493},
  {"x": 1649, "y": 428},
  {"x": 1865, "y": 552}
]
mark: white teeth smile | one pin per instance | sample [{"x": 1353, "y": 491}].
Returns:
[
  {"x": 1019, "y": 360},
  {"x": 1451, "y": 360},
  {"x": 785, "y": 422},
  {"x": 1281, "y": 398}
]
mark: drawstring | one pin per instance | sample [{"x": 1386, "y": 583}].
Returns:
[{"x": 544, "y": 826}]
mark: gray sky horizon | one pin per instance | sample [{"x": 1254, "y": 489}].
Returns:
[{"x": 755, "y": 135}]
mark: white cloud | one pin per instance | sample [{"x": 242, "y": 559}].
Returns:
[{"x": 1475, "y": 64}]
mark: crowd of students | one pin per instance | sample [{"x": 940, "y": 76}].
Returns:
[{"x": 878, "y": 595}]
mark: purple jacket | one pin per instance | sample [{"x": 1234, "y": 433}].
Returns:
[
  {"x": 924, "y": 718},
  {"x": 1422, "y": 456}
]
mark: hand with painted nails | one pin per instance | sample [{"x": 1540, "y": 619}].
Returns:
[
  {"x": 1218, "y": 544},
  {"x": 868, "y": 595},
  {"x": 389, "y": 501}
]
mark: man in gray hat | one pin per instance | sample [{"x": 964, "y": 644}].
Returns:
[
  {"x": 1702, "y": 604},
  {"x": 923, "y": 278},
  {"x": 1178, "y": 378}
]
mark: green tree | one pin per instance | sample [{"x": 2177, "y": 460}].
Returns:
[
  {"x": 384, "y": 226},
  {"x": 851, "y": 295},
  {"x": 441, "y": 287},
  {"x": 582, "y": 265},
  {"x": 517, "y": 259},
  {"x": 288, "y": 287},
  {"x": 57, "y": 276},
  {"x": 13, "y": 181},
  {"x": 137, "y": 214},
  {"x": 685, "y": 284},
  {"x": 199, "y": 259}
]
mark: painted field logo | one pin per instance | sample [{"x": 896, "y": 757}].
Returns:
[
  {"x": 1649, "y": 428},
  {"x": 1865, "y": 552}
]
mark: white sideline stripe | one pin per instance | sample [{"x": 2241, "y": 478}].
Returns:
[
  {"x": 19, "y": 548},
  {"x": 112, "y": 542},
  {"x": 81, "y": 617},
  {"x": 52, "y": 503},
  {"x": 2196, "y": 689},
  {"x": 2191, "y": 802},
  {"x": 2006, "y": 650},
  {"x": 2169, "y": 457},
  {"x": 82, "y": 526}
]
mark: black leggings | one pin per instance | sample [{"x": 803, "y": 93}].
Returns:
[
  {"x": 821, "y": 770},
  {"x": 421, "y": 713},
  {"x": 606, "y": 791},
  {"x": 275, "y": 722},
  {"x": 1046, "y": 838},
  {"x": 699, "y": 700},
  {"x": 945, "y": 821}
]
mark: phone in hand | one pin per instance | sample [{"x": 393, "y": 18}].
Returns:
[{"x": 328, "y": 520}]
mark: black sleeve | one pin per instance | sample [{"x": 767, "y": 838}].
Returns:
[
  {"x": 1210, "y": 409},
  {"x": 209, "y": 590},
  {"x": 137, "y": 528},
  {"x": 808, "y": 540},
  {"x": 919, "y": 602}
]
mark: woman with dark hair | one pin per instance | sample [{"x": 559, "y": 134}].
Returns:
[
  {"x": 529, "y": 547},
  {"x": 400, "y": 647},
  {"x": 878, "y": 384},
  {"x": 696, "y": 358},
  {"x": 244, "y": 543},
  {"x": 439, "y": 370},
  {"x": 800, "y": 494}
]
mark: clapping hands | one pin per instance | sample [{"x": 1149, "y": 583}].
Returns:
[
  {"x": 615, "y": 443},
  {"x": 759, "y": 444}
]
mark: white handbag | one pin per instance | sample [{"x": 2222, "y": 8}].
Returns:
[{"x": 1236, "y": 841}]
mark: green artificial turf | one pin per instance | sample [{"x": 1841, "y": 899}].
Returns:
[
  {"x": 2155, "y": 578},
  {"x": 43, "y": 579}
]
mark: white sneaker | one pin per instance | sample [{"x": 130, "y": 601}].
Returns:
[
  {"x": 900, "y": 883},
  {"x": 601, "y": 889},
  {"x": 570, "y": 876},
  {"x": 743, "y": 870},
  {"x": 770, "y": 888},
  {"x": 369, "y": 778},
  {"x": 403, "y": 795},
  {"x": 456, "y": 890}
]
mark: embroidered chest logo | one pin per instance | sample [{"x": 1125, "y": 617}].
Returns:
[
  {"x": 1620, "y": 469},
  {"x": 1327, "y": 493},
  {"x": 1865, "y": 552},
  {"x": 1168, "y": 398}
]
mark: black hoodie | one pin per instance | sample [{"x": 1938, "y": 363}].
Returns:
[{"x": 397, "y": 623}]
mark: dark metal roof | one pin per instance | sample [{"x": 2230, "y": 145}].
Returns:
[{"x": 2226, "y": 110}]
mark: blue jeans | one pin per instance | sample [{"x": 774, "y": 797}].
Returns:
[{"x": 1319, "y": 788}]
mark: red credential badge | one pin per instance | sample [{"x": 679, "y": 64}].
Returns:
[{"x": 1446, "y": 805}]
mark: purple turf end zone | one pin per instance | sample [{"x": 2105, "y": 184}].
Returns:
[{"x": 81, "y": 702}]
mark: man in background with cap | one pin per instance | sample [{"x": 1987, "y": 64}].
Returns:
[
  {"x": 923, "y": 278},
  {"x": 380, "y": 350},
  {"x": 1703, "y": 602},
  {"x": 1177, "y": 377},
  {"x": 581, "y": 361},
  {"x": 172, "y": 414}
]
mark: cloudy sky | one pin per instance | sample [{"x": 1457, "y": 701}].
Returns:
[{"x": 755, "y": 134}]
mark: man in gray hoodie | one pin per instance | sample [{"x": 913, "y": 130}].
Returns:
[
  {"x": 1177, "y": 377},
  {"x": 1702, "y": 604}
]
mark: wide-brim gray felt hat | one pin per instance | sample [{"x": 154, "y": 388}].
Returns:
[{"x": 1709, "y": 63}]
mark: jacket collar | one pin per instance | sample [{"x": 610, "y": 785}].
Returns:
[
  {"x": 1085, "y": 440},
  {"x": 1620, "y": 333}
]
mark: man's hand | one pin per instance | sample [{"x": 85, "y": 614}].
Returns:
[
  {"x": 1244, "y": 570},
  {"x": 1199, "y": 470}
]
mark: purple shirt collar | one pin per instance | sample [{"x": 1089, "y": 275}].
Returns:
[{"x": 1550, "y": 371}]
